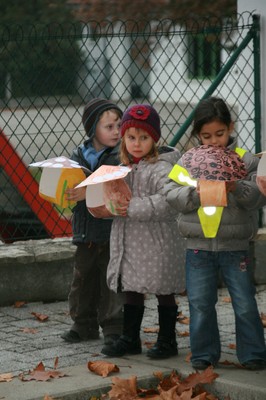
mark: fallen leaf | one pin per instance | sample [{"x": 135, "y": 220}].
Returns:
[
  {"x": 171, "y": 394},
  {"x": 56, "y": 360},
  {"x": 170, "y": 387},
  {"x": 182, "y": 319},
  {"x": 263, "y": 319},
  {"x": 123, "y": 389},
  {"x": 169, "y": 381},
  {"x": 227, "y": 300},
  {"x": 148, "y": 394},
  {"x": 183, "y": 334},
  {"x": 19, "y": 304},
  {"x": 40, "y": 317},
  {"x": 40, "y": 374},
  {"x": 149, "y": 345},
  {"x": 196, "y": 378},
  {"x": 6, "y": 377},
  {"x": 232, "y": 346},
  {"x": 151, "y": 330},
  {"x": 29, "y": 330},
  {"x": 102, "y": 368},
  {"x": 230, "y": 363}
]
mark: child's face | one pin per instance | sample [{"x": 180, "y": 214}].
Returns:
[
  {"x": 107, "y": 131},
  {"x": 215, "y": 133},
  {"x": 138, "y": 142}
]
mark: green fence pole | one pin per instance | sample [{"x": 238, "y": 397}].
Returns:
[
  {"x": 224, "y": 70},
  {"x": 257, "y": 84}
]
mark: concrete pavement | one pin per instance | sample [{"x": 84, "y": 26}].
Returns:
[{"x": 25, "y": 342}]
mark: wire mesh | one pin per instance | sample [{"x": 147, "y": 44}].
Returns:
[{"x": 48, "y": 73}]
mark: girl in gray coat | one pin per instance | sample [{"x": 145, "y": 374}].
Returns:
[
  {"x": 225, "y": 251},
  {"x": 144, "y": 251}
]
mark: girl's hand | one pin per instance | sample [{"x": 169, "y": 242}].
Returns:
[
  {"x": 230, "y": 186},
  {"x": 76, "y": 194},
  {"x": 121, "y": 208}
]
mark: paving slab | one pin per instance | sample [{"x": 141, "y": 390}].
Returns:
[{"x": 21, "y": 351}]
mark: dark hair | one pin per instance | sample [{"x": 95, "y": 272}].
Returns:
[{"x": 209, "y": 110}]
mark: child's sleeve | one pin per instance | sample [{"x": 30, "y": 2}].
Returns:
[
  {"x": 184, "y": 199},
  {"x": 247, "y": 193},
  {"x": 153, "y": 207}
]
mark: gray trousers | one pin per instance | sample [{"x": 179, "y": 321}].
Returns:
[{"x": 91, "y": 303}]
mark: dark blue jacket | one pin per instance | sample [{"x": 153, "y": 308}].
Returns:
[{"x": 87, "y": 228}]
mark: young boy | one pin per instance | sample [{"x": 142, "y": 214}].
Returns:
[{"x": 91, "y": 302}]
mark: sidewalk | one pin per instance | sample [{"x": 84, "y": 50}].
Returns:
[{"x": 25, "y": 342}]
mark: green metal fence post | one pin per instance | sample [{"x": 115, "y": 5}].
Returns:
[
  {"x": 224, "y": 70},
  {"x": 257, "y": 82}
]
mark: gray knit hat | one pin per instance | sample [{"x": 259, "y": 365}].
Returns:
[{"x": 92, "y": 112}]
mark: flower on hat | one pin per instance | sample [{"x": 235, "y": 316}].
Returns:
[{"x": 139, "y": 112}]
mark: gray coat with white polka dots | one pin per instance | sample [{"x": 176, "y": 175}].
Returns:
[{"x": 144, "y": 245}]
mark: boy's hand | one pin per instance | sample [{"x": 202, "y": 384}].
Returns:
[{"x": 76, "y": 194}]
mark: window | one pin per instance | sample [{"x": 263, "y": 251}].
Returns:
[{"x": 204, "y": 56}]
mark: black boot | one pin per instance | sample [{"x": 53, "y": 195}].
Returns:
[
  {"x": 129, "y": 342},
  {"x": 166, "y": 345}
]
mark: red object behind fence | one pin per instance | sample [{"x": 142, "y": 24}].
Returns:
[{"x": 22, "y": 179}]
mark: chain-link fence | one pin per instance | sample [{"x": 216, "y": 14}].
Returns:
[{"x": 49, "y": 72}]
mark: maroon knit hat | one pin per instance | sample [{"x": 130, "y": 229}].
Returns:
[
  {"x": 142, "y": 116},
  {"x": 92, "y": 112}
]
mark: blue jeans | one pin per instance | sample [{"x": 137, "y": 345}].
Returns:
[{"x": 202, "y": 273}]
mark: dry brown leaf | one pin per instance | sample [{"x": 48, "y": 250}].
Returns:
[
  {"x": 19, "y": 304},
  {"x": 148, "y": 394},
  {"x": 40, "y": 374},
  {"x": 232, "y": 346},
  {"x": 227, "y": 300},
  {"x": 182, "y": 319},
  {"x": 56, "y": 361},
  {"x": 171, "y": 394},
  {"x": 158, "y": 375},
  {"x": 149, "y": 345},
  {"x": 183, "y": 334},
  {"x": 171, "y": 387},
  {"x": 230, "y": 363},
  {"x": 123, "y": 389},
  {"x": 29, "y": 330},
  {"x": 6, "y": 377},
  {"x": 102, "y": 368},
  {"x": 169, "y": 381},
  {"x": 40, "y": 317},
  {"x": 263, "y": 319},
  {"x": 194, "y": 379},
  {"x": 151, "y": 330},
  {"x": 201, "y": 396}
]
